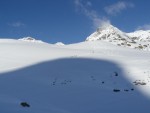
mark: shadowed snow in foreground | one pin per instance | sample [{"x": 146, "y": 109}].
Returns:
[{"x": 71, "y": 85}]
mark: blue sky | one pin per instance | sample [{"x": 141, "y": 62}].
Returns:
[{"x": 69, "y": 21}]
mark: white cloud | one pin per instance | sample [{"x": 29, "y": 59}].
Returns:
[
  {"x": 89, "y": 3},
  {"x": 85, "y": 8},
  {"x": 16, "y": 24},
  {"x": 118, "y": 7},
  {"x": 144, "y": 27}
]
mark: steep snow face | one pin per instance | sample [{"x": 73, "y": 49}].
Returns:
[
  {"x": 30, "y": 39},
  {"x": 138, "y": 39}
]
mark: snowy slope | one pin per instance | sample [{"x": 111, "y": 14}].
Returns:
[
  {"x": 75, "y": 78},
  {"x": 138, "y": 40}
]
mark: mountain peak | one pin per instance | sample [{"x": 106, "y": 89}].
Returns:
[
  {"x": 106, "y": 26},
  {"x": 138, "y": 39},
  {"x": 59, "y": 44},
  {"x": 30, "y": 39},
  {"x": 107, "y": 32}
]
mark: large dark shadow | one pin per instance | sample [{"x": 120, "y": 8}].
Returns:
[{"x": 71, "y": 85}]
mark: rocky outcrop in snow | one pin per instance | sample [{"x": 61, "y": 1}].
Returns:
[
  {"x": 30, "y": 39},
  {"x": 140, "y": 35},
  {"x": 107, "y": 33},
  {"x": 138, "y": 39}
]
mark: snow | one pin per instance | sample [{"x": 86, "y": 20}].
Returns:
[
  {"x": 141, "y": 35},
  {"x": 108, "y": 33},
  {"x": 30, "y": 39},
  {"x": 75, "y": 78},
  {"x": 59, "y": 44},
  {"x": 138, "y": 40}
]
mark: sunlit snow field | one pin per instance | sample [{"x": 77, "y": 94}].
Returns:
[{"x": 86, "y": 77}]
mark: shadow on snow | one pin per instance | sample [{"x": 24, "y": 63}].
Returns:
[{"x": 72, "y": 85}]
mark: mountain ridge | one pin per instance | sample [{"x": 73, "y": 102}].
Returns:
[{"x": 137, "y": 40}]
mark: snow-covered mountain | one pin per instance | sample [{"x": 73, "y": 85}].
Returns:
[
  {"x": 86, "y": 77},
  {"x": 109, "y": 33},
  {"x": 30, "y": 39},
  {"x": 138, "y": 39},
  {"x": 140, "y": 35},
  {"x": 59, "y": 44}
]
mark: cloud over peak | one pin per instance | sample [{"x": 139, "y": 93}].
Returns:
[
  {"x": 85, "y": 8},
  {"x": 144, "y": 27},
  {"x": 118, "y": 7}
]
